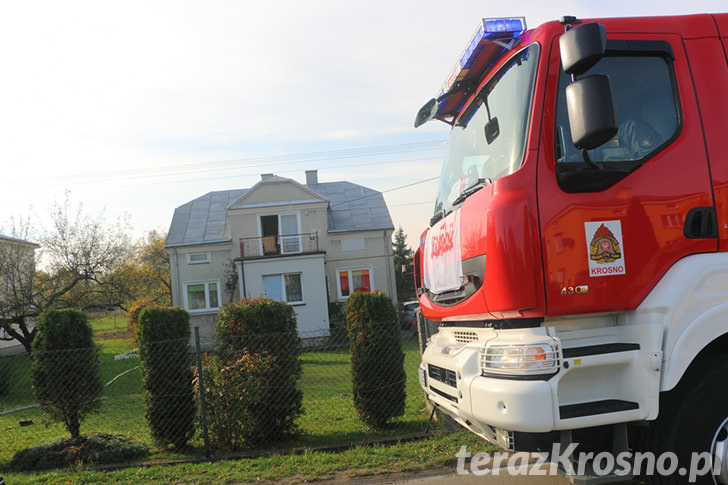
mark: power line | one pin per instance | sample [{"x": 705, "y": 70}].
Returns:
[
  {"x": 130, "y": 183},
  {"x": 412, "y": 203},
  {"x": 202, "y": 167},
  {"x": 388, "y": 190}
]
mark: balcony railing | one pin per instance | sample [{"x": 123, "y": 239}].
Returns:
[{"x": 269, "y": 246}]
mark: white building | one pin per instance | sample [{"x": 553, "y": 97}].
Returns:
[{"x": 307, "y": 245}]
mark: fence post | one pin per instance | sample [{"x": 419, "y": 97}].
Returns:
[{"x": 203, "y": 406}]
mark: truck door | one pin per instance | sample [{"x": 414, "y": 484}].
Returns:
[{"x": 609, "y": 233}]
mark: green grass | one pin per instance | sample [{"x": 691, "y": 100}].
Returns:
[
  {"x": 329, "y": 416},
  {"x": 111, "y": 323},
  {"x": 436, "y": 452}
]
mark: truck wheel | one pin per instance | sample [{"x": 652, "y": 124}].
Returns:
[
  {"x": 719, "y": 450},
  {"x": 694, "y": 421}
]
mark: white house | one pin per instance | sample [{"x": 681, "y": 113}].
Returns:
[{"x": 305, "y": 244}]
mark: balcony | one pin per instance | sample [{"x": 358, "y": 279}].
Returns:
[{"x": 272, "y": 246}]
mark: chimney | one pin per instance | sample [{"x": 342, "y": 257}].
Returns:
[
  {"x": 266, "y": 176},
  {"x": 311, "y": 177}
]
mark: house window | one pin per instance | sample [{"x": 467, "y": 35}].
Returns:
[
  {"x": 284, "y": 287},
  {"x": 351, "y": 280},
  {"x": 198, "y": 258},
  {"x": 202, "y": 295},
  {"x": 281, "y": 234}
]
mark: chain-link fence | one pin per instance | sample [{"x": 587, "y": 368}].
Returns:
[{"x": 261, "y": 392}]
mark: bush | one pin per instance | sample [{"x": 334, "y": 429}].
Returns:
[
  {"x": 377, "y": 360},
  {"x": 167, "y": 376},
  {"x": 93, "y": 449},
  {"x": 254, "y": 371},
  {"x": 235, "y": 393},
  {"x": 65, "y": 369},
  {"x": 133, "y": 313}
]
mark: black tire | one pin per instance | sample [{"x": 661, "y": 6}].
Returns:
[{"x": 692, "y": 418}]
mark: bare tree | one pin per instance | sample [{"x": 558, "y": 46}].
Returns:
[{"x": 78, "y": 253}]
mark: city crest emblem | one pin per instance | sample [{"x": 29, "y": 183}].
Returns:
[{"x": 604, "y": 247}]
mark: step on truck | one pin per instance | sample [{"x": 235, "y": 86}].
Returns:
[{"x": 577, "y": 258}]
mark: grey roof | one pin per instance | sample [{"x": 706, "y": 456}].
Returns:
[
  {"x": 351, "y": 208},
  {"x": 354, "y": 207},
  {"x": 203, "y": 220},
  {"x": 18, "y": 241}
]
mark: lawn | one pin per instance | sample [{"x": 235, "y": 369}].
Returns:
[
  {"x": 434, "y": 453},
  {"x": 329, "y": 416}
]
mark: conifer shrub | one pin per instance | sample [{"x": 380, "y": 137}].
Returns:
[
  {"x": 377, "y": 360},
  {"x": 251, "y": 380},
  {"x": 169, "y": 394},
  {"x": 65, "y": 368}
]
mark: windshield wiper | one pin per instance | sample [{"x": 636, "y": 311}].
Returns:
[
  {"x": 441, "y": 214},
  {"x": 471, "y": 190}
]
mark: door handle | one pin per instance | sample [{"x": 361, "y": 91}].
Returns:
[{"x": 701, "y": 223}]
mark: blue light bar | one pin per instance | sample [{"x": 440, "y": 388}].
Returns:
[
  {"x": 493, "y": 30},
  {"x": 515, "y": 24}
]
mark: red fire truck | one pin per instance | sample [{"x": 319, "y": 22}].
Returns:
[{"x": 577, "y": 258}]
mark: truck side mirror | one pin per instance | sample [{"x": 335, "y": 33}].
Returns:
[
  {"x": 426, "y": 113},
  {"x": 581, "y": 47},
  {"x": 589, "y": 101},
  {"x": 590, "y": 105}
]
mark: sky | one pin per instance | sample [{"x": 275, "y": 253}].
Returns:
[{"x": 137, "y": 107}]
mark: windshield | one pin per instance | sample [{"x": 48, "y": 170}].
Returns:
[{"x": 489, "y": 138}]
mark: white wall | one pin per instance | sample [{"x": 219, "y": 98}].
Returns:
[{"x": 313, "y": 314}]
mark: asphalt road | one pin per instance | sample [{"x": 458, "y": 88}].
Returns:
[
  {"x": 501, "y": 478},
  {"x": 451, "y": 476}
]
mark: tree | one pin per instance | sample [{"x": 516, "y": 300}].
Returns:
[
  {"x": 403, "y": 255},
  {"x": 154, "y": 261},
  {"x": 66, "y": 371},
  {"x": 77, "y": 257},
  {"x": 143, "y": 276}
]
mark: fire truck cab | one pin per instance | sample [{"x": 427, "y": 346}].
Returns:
[{"x": 577, "y": 258}]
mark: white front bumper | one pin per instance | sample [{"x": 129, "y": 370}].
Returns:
[{"x": 588, "y": 390}]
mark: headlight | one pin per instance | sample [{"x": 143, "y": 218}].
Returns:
[{"x": 540, "y": 358}]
